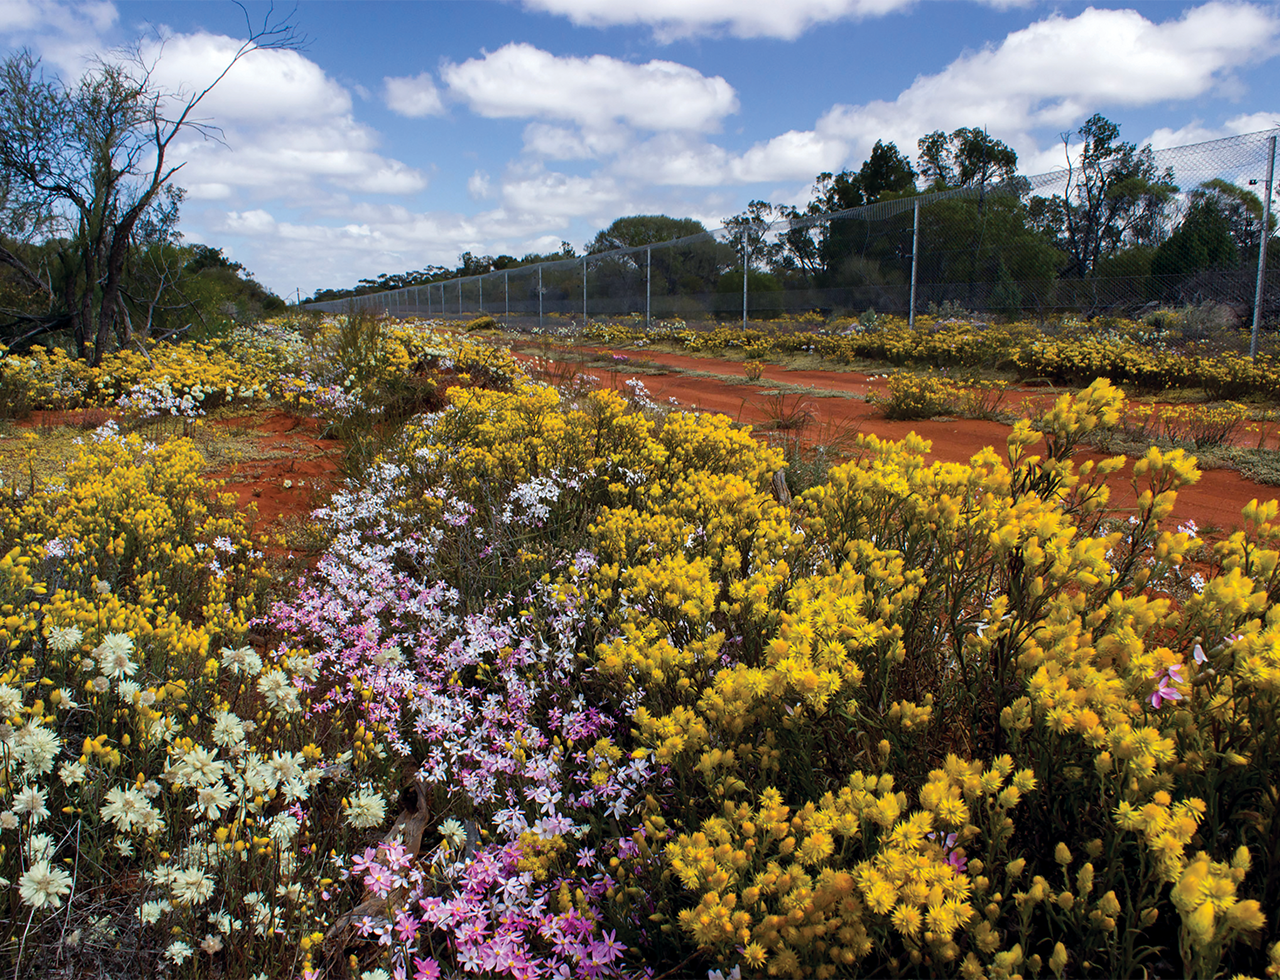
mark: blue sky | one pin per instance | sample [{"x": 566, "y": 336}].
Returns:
[{"x": 404, "y": 133}]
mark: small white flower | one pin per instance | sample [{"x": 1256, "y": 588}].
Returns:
[
  {"x": 305, "y": 667},
  {"x": 72, "y": 773},
  {"x": 67, "y": 699},
  {"x": 36, "y": 747},
  {"x": 44, "y": 884},
  {"x": 64, "y": 639},
  {"x": 279, "y": 691},
  {"x": 211, "y": 944},
  {"x": 151, "y": 911},
  {"x": 283, "y": 828},
  {"x": 10, "y": 701},
  {"x": 453, "y": 832},
  {"x": 290, "y": 893},
  {"x": 164, "y": 728},
  {"x": 228, "y": 729},
  {"x": 113, "y": 656},
  {"x": 178, "y": 952},
  {"x": 367, "y": 809},
  {"x": 211, "y": 800},
  {"x": 8, "y": 821},
  {"x": 191, "y": 886},
  {"x": 57, "y": 548},
  {"x": 242, "y": 661},
  {"x": 31, "y": 800},
  {"x": 126, "y": 808},
  {"x": 223, "y": 922},
  {"x": 40, "y": 847}
]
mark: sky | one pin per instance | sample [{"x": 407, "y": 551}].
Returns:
[{"x": 401, "y": 134}]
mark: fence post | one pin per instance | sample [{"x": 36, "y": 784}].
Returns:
[
  {"x": 480, "y": 283},
  {"x": 1260, "y": 290},
  {"x": 648, "y": 279},
  {"x": 539, "y": 297},
  {"x": 746, "y": 265},
  {"x": 915, "y": 256},
  {"x": 584, "y": 292},
  {"x": 506, "y": 290}
]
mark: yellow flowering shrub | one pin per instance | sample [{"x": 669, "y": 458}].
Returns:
[
  {"x": 147, "y": 748},
  {"x": 923, "y": 719}
]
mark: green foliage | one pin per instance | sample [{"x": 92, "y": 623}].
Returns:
[
  {"x": 1115, "y": 198},
  {"x": 1203, "y": 240},
  {"x": 644, "y": 229}
]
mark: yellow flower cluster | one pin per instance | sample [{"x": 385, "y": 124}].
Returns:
[
  {"x": 755, "y": 635},
  {"x": 1124, "y": 351},
  {"x": 126, "y": 590},
  {"x": 209, "y": 375},
  {"x": 922, "y": 396}
]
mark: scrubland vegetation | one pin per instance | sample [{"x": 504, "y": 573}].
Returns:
[{"x": 572, "y": 690}]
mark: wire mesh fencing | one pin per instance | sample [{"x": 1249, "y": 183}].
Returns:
[{"x": 1116, "y": 231}]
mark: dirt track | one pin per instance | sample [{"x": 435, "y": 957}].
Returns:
[{"x": 839, "y": 399}]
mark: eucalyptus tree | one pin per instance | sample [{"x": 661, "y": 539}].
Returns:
[{"x": 86, "y": 177}]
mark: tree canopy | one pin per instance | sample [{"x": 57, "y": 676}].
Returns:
[{"x": 86, "y": 187}]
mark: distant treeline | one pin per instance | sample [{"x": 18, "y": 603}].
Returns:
[{"x": 1123, "y": 233}]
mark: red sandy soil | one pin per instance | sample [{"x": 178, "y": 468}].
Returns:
[
  {"x": 290, "y": 449},
  {"x": 1215, "y": 501},
  {"x": 287, "y": 447}
]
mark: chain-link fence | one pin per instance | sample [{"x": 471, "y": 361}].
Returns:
[{"x": 1117, "y": 231}]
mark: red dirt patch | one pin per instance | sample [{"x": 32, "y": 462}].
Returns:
[
  {"x": 292, "y": 472},
  {"x": 1215, "y": 501}
]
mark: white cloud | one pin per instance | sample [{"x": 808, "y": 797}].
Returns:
[
  {"x": 65, "y": 35},
  {"x": 1197, "y": 132},
  {"x": 1050, "y": 75},
  {"x": 675, "y": 159},
  {"x": 574, "y": 143},
  {"x": 267, "y": 86},
  {"x": 556, "y": 195},
  {"x": 521, "y": 81},
  {"x": 415, "y": 97},
  {"x": 371, "y": 239},
  {"x": 792, "y": 155},
  {"x": 673, "y": 19},
  {"x": 1058, "y": 70},
  {"x": 478, "y": 186},
  {"x": 288, "y": 129},
  {"x": 680, "y": 160},
  {"x": 255, "y": 222}
]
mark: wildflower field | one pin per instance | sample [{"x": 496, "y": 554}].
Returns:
[{"x": 575, "y": 686}]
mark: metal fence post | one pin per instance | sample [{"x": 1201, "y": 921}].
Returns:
[
  {"x": 1260, "y": 289},
  {"x": 584, "y": 292},
  {"x": 746, "y": 265},
  {"x": 915, "y": 257},
  {"x": 539, "y": 297},
  {"x": 506, "y": 290},
  {"x": 648, "y": 280}
]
